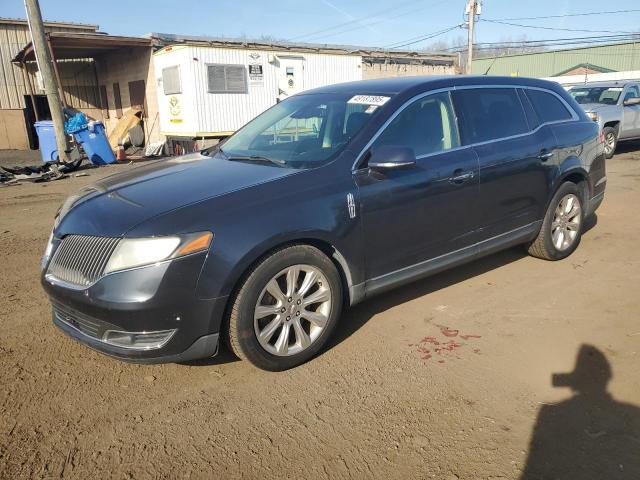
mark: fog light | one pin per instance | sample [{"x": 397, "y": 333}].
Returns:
[{"x": 138, "y": 340}]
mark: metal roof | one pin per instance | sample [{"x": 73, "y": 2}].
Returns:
[
  {"x": 48, "y": 23},
  {"x": 168, "y": 38},
  {"x": 610, "y": 83},
  {"x": 82, "y": 45},
  {"x": 617, "y": 57}
]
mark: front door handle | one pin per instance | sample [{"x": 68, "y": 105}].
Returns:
[
  {"x": 544, "y": 155},
  {"x": 460, "y": 177}
]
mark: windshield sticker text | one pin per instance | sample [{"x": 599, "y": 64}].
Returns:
[{"x": 369, "y": 100}]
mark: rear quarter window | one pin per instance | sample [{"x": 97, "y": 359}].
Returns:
[
  {"x": 489, "y": 114},
  {"x": 532, "y": 117},
  {"x": 548, "y": 107}
]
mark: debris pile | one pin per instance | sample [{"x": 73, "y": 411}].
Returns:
[{"x": 37, "y": 173}]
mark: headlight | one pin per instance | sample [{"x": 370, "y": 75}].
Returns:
[
  {"x": 136, "y": 252},
  {"x": 593, "y": 116},
  {"x": 49, "y": 248},
  {"x": 47, "y": 252}
]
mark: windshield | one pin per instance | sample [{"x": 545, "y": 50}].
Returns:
[
  {"x": 602, "y": 95},
  {"x": 304, "y": 130}
]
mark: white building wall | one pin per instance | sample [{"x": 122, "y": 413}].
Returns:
[
  {"x": 175, "y": 111},
  {"x": 571, "y": 80},
  {"x": 321, "y": 70},
  {"x": 203, "y": 113}
]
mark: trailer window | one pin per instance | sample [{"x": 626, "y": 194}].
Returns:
[
  {"x": 171, "y": 80},
  {"x": 226, "y": 79}
]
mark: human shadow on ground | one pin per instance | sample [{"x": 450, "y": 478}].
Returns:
[{"x": 589, "y": 436}]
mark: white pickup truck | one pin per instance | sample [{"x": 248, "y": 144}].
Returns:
[{"x": 616, "y": 108}]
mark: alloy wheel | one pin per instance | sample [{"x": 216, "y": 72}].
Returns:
[
  {"x": 566, "y": 222},
  {"x": 609, "y": 143},
  {"x": 292, "y": 310}
]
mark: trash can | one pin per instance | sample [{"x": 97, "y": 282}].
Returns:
[
  {"x": 47, "y": 140},
  {"x": 95, "y": 144}
]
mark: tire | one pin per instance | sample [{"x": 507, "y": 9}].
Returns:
[
  {"x": 547, "y": 245},
  {"x": 610, "y": 141},
  {"x": 288, "y": 338}
]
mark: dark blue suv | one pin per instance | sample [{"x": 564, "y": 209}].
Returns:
[{"x": 324, "y": 200}]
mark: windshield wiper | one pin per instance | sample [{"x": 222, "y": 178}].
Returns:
[{"x": 256, "y": 158}]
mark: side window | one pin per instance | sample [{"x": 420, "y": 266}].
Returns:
[
  {"x": 548, "y": 107},
  {"x": 489, "y": 114},
  {"x": 428, "y": 126},
  {"x": 171, "y": 80},
  {"x": 632, "y": 93}
]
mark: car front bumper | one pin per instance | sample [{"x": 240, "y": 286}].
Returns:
[{"x": 141, "y": 301}]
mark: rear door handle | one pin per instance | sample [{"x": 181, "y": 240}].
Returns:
[
  {"x": 461, "y": 177},
  {"x": 544, "y": 156}
]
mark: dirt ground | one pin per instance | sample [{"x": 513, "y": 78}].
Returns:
[{"x": 448, "y": 378}]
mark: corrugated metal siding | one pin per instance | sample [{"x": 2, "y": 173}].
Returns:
[
  {"x": 209, "y": 112},
  {"x": 320, "y": 70},
  {"x": 622, "y": 57},
  {"x": 14, "y": 37},
  {"x": 12, "y": 89}
]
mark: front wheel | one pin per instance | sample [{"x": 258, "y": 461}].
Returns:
[
  {"x": 561, "y": 228},
  {"x": 610, "y": 141},
  {"x": 286, "y": 308}
]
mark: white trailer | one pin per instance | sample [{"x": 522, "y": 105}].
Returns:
[{"x": 211, "y": 91}]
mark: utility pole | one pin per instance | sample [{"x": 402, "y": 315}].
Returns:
[
  {"x": 45, "y": 67},
  {"x": 473, "y": 8}
]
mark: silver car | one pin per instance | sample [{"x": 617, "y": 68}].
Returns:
[{"x": 616, "y": 108}]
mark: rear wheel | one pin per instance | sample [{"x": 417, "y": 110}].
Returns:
[
  {"x": 610, "y": 141},
  {"x": 286, "y": 308},
  {"x": 562, "y": 226}
]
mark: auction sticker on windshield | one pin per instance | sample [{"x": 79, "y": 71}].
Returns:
[{"x": 369, "y": 100}]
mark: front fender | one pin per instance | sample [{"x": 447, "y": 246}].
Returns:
[
  {"x": 314, "y": 210},
  {"x": 326, "y": 241}
]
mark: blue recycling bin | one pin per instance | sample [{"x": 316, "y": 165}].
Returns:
[
  {"x": 47, "y": 140},
  {"x": 95, "y": 144}
]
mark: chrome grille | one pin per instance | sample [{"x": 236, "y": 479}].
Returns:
[{"x": 81, "y": 259}]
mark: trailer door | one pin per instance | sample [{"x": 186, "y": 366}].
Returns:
[{"x": 290, "y": 76}]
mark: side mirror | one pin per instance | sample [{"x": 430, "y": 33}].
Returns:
[
  {"x": 392, "y": 157},
  {"x": 631, "y": 101}
]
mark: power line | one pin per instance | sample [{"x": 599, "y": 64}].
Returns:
[
  {"x": 369, "y": 24},
  {"x": 605, "y": 38},
  {"x": 566, "y": 15},
  {"x": 551, "y": 43},
  {"x": 554, "y": 28},
  {"x": 414, "y": 40},
  {"x": 393, "y": 17},
  {"x": 355, "y": 20}
]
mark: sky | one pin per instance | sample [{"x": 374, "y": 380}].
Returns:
[{"x": 381, "y": 23}]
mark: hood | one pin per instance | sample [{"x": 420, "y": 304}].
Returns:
[
  {"x": 594, "y": 107},
  {"x": 116, "y": 204}
]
